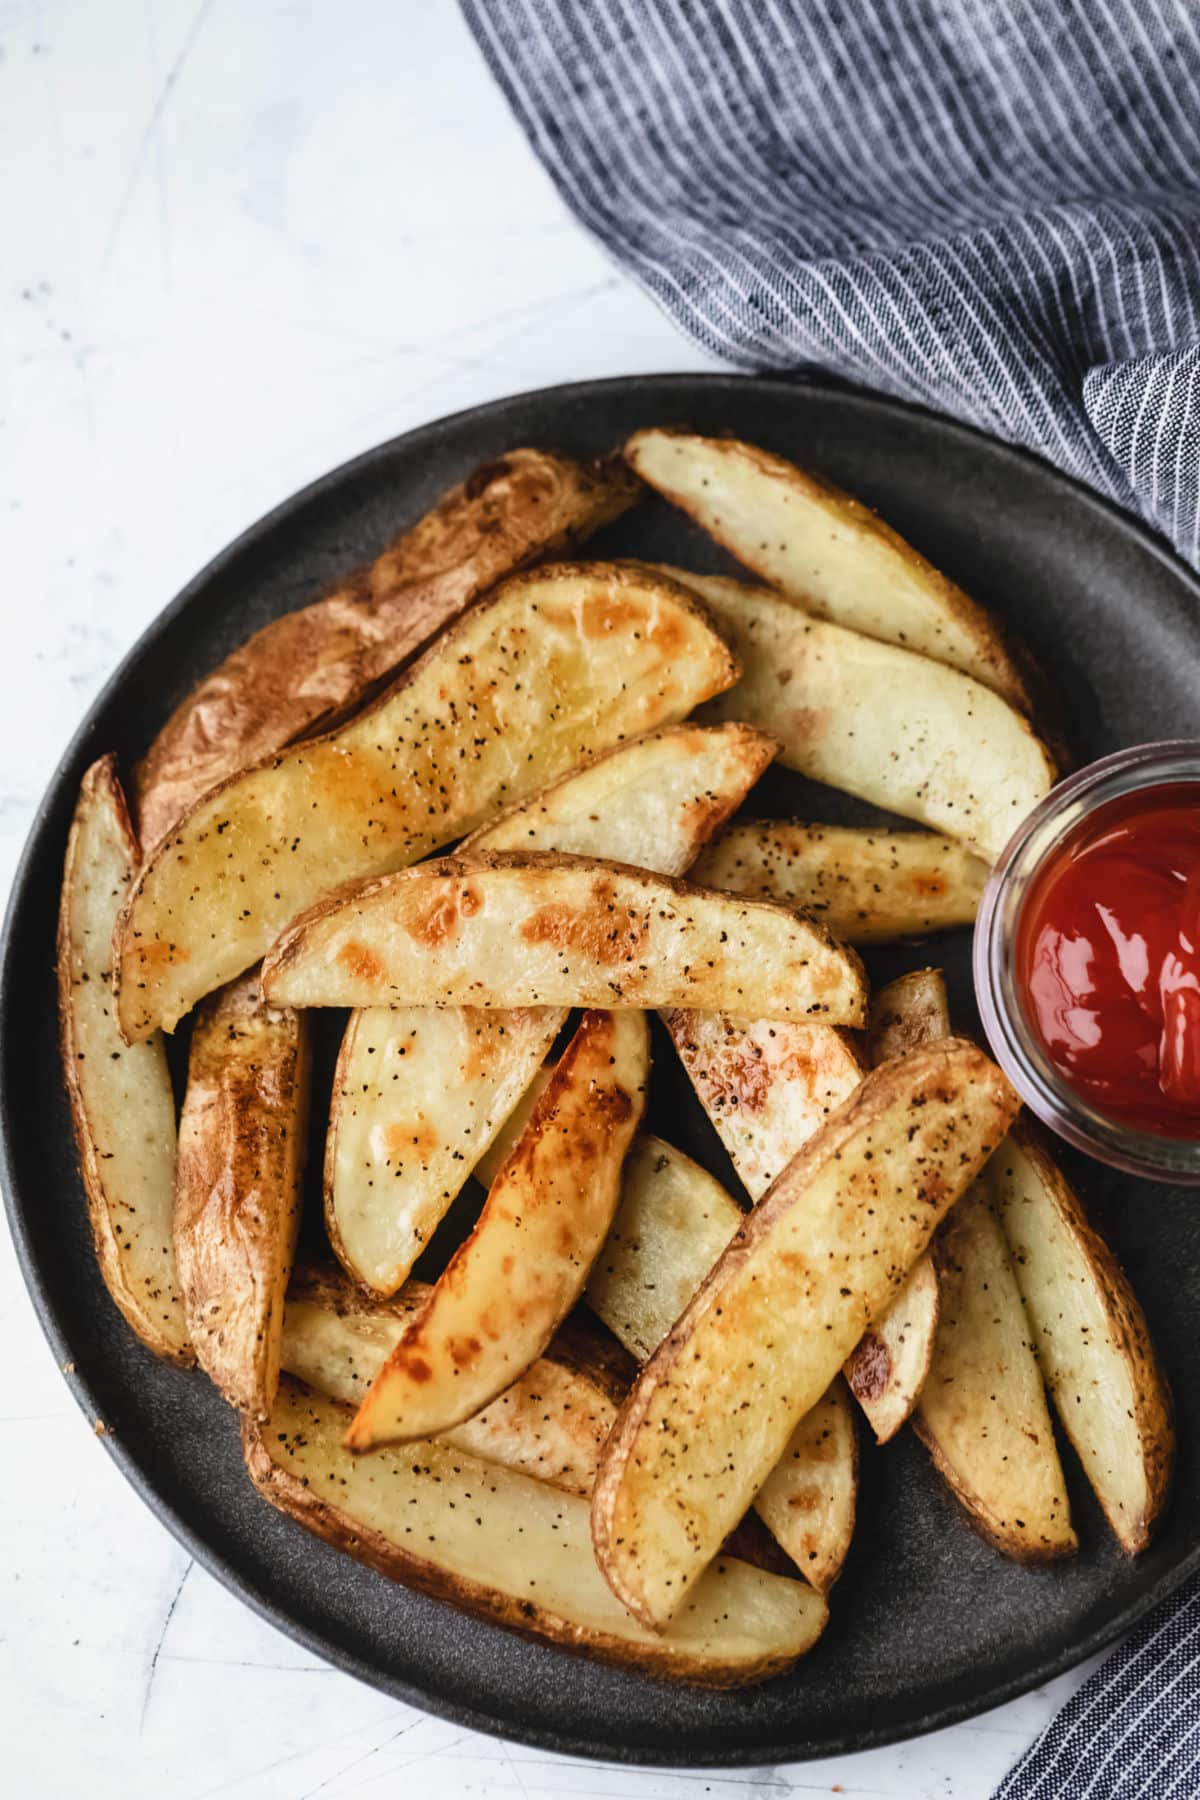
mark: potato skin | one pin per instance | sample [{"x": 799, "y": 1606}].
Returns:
[
  {"x": 302, "y": 671},
  {"x": 242, "y": 1139}
]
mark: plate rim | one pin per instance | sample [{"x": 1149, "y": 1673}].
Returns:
[{"x": 214, "y": 1560}]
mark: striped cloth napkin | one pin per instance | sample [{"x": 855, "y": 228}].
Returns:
[
  {"x": 988, "y": 206},
  {"x": 991, "y": 207}
]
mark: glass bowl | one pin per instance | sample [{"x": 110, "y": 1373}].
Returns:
[{"x": 1014, "y": 1042}]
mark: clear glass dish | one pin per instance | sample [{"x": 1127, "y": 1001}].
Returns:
[{"x": 1014, "y": 1043}]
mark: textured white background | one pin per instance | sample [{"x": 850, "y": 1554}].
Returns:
[{"x": 241, "y": 240}]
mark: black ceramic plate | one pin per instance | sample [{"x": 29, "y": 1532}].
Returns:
[{"x": 928, "y": 1624}]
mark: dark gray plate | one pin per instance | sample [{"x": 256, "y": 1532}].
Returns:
[{"x": 928, "y": 1624}]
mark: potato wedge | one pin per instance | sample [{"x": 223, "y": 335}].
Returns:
[
  {"x": 242, "y": 1140},
  {"x": 555, "y": 663},
  {"x": 906, "y": 1014},
  {"x": 1091, "y": 1339},
  {"x": 982, "y": 1411},
  {"x": 302, "y": 671},
  {"x": 825, "y": 550},
  {"x": 896, "y": 729},
  {"x": 653, "y": 803},
  {"x": 417, "y": 1093},
  {"x": 122, "y": 1106},
  {"x": 513, "y": 1281},
  {"x": 501, "y": 1146},
  {"x": 767, "y": 1087},
  {"x": 513, "y": 1551},
  {"x": 889, "y": 1364},
  {"x": 815, "y": 1265},
  {"x": 535, "y": 929},
  {"x": 551, "y": 1423},
  {"x": 869, "y": 886},
  {"x": 418, "y": 1096},
  {"x": 673, "y": 1223}
]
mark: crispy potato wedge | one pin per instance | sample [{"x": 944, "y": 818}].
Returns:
[
  {"x": 551, "y": 1423},
  {"x": 673, "y": 1222},
  {"x": 540, "y": 929},
  {"x": 242, "y": 1139},
  {"x": 418, "y": 1096},
  {"x": 767, "y": 1087},
  {"x": 896, "y": 729},
  {"x": 513, "y": 1551},
  {"x": 869, "y": 886},
  {"x": 122, "y": 1106},
  {"x": 653, "y": 803},
  {"x": 826, "y": 551},
  {"x": 815, "y": 1265},
  {"x": 302, "y": 671},
  {"x": 417, "y": 1093},
  {"x": 555, "y": 663},
  {"x": 982, "y": 1411},
  {"x": 889, "y": 1365},
  {"x": 906, "y": 1014},
  {"x": 501, "y": 1146},
  {"x": 1091, "y": 1339},
  {"x": 510, "y": 1285}
]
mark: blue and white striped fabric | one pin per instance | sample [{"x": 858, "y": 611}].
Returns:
[{"x": 988, "y": 206}]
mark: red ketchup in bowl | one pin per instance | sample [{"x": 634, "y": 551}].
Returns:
[{"x": 1108, "y": 959}]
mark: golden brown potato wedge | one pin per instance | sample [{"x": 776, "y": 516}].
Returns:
[
  {"x": 815, "y": 1265},
  {"x": 510, "y": 1285},
  {"x": 868, "y": 885},
  {"x": 417, "y": 1092},
  {"x": 500, "y": 1148},
  {"x": 673, "y": 1223},
  {"x": 418, "y": 1095},
  {"x": 242, "y": 1139},
  {"x": 766, "y": 1086},
  {"x": 556, "y": 663},
  {"x": 513, "y": 1551},
  {"x": 302, "y": 671},
  {"x": 982, "y": 1411},
  {"x": 909, "y": 1012},
  {"x": 122, "y": 1105},
  {"x": 1091, "y": 1338},
  {"x": 896, "y": 729},
  {"x": 889, "y": 1365},
  {"x": 540, "y": 929},
  {"x": 552, "y": 1421},
  {"x": 826, "y": 551}
]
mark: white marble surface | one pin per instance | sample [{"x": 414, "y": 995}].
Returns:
[{"x": 242, "y": 240}]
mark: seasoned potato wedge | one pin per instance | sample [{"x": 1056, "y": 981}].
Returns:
[
  {"x": 896, "y": 729},
  {"x": 555, "y": 663},
  {"x": 418, "y": 1095},
  {"x": 766, "y": 1086},
  {"x": 868, "y": 886},
  {"x": 825, "y": 550},
  {"x": 982, "y": 1411},
  {"x": 501, "y": 1146},
  {"x": 909, "y": 1012},
  {"x": 653, "y": 803},
  {"x": 509, "y": 1286},
  {"x": 300, "y": 672},
  {"x": 552, "y": 1421},
  {"x": 1091, "y": 1339},
  {"x": 242, "y": 1138},
  {"x": 673, "y": 1223},
  {"x": 122, "y": 1105},
  {"x": 514, "y": 1551},
  {"x": 888, "y": 1367},
  {"x": 548, "y": 930},
  {"x": 815, "y": 1265}
]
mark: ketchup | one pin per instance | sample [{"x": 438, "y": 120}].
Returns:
[{"x": 1108, "y": 959}]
